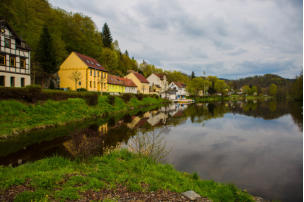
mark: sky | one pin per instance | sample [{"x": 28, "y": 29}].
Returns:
[{"x": 226, "y": 38}]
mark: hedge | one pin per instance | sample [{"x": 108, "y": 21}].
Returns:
[{"x": 34, "y": 94}]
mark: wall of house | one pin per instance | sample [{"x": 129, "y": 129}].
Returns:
[
  {"x": 112, "y": 88},
  {"x": 17, "y": 78},
  {"x": 91, "y": 79},
  {"x": 130, "y": 90},
  {"x": 17, "y": 53},
  {"x": 141, "y": 87}
]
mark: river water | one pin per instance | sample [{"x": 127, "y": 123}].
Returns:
[{"x": 255, "y": 145}]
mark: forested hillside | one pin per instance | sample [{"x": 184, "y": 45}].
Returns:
[{"x": 261, "y": 81}]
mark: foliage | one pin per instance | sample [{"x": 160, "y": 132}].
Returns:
[
  {"x": 64, "y": 179},
  {"x": 273, "y": 89},
  {"x": 196, "y": 85},
  {"x": 76, "y": 76},
  {"x": 221, "y": 87},
  {"x": 106, "y": 36},
  {"x": 296, "y": 90}
]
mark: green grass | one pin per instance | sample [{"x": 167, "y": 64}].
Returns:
[
  {"x": 63, "y": 179},
  {"x": 16, "y": 116}
]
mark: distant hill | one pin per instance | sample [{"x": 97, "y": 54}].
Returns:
[{"x": 261, "y": 81}]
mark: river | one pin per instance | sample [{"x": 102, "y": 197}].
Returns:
[{"x": 255, "y": 145}]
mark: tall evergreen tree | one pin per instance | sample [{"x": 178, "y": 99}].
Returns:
[
  {"x": 46, "y": 55},
  {"x": 192, "y": 75},
  {"x": 126, "y": 53},
  {"x": 106, "y": 34}
]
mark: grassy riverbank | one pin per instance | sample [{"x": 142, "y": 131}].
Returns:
[
  {"x": 62, "y": 179},
  {"x": 16, "y": 116},
  {"x": 230, "y": 98}
]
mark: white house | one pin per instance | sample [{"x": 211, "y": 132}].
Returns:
[
  {"x": 14, "y": 58},
  {"x": 157, "y": 82},
  {"x": 130, "y": 86},
  {"x": 180, "y": 89}
]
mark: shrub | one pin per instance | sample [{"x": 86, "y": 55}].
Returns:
[
  {"x": 127, "y": 96},
  {"x": 111, "y": 99},
  {"x": 34, "y": 93}
]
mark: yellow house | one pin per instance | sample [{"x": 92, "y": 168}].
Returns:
[
  {"x": 81, "y": 71},
  {"x": 115, "y": 84},
  {"x": 140, "y": 81}
]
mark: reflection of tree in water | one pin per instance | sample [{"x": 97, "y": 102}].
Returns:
[
  {"x": 150, "y": 144},
  {"x": 95, "y": 140}
]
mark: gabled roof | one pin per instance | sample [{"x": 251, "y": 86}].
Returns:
[
  {"x": 116, "y": 80},
  {"x": 3, "y": 23},
  {"x": 140, "y": 77},
  {"x": 91, "y": 62},
  {"x": 161, "y": 76},
  {"x": 179, "y": 84},
  {"x": 129, "y": 83}
]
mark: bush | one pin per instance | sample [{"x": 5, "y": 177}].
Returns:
[
  {"x": 34, "y": 93},
  {"x": 126, "y": 97},
  {"x": 111, "y": 99},
  {"x": 81, "y": 89}
]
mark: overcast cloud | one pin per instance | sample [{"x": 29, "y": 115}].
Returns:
[{"x": 226, "y": 38}]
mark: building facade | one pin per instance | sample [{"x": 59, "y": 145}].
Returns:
[
  {"x": 115, "y": 84},
  {"x": 140, "y": 81},
  {"x": 80, "y": 71},
  {"x": 158, "y": 82},
  {"x": 130, "y": 86},
  {"x": 180, "y": 88},
  {"x": 15, "y": 56}
]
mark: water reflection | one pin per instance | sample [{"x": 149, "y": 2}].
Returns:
[{"x": 255, "y": 145}]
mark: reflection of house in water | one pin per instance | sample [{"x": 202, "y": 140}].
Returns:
[
  {"x": 159, "y": 118},
  {"x": 137, "y": 122},
  {"x": 103, "y": 129},
  {"x": 176, "y": 108}
]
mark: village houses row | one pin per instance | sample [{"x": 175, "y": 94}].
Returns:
[{"x": 78, "y": 71}]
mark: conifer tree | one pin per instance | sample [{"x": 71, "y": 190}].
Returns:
[
  {"x": 45, "y": 54},
  {"x": 106, "y": 36}
]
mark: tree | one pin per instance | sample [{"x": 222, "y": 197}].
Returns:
[
  {"x": 76, "y": 76},
  {"x": 273, "y": 89},
  {"x": 46, "y": 55},
  {"x": 192, "y": 75},
  {"x": 106, "y": 36},
  {"x": 246, "y": 89},
  {"x": 221, "y": 87},
  {"x": 126, "y": 53}
]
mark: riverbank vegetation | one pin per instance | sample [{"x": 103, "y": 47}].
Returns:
[
  {"x": 57, "y": 178},
  {"x": 16, "y": 116}
]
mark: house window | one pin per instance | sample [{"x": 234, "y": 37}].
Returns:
[
  {"x": 12, "y": 81},
  {"x": 90, "y": 72},
  {"x": 104, "y": 85},
  {"x": 97, "y": 74},
  {"x": 94, "y": 84},
  {"x": 94, "y": 73},
  {"x": 22, "y": 63},
  {"x": 2, "y": 59},
  {"x": 2, "y": 80},
  {"x": 79, "y": 83},
  {"x": 7, "y": 43},
  {"x": 12, "y": 61},
  {"x": 90, "y": 84},
  {"x": 22, "y": 81}
]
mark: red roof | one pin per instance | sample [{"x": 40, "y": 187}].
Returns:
[
  {"x": 140, "y": 77},
  {"x": 161, "y": 76},
  {"x": 129, "y": 83},
  {"x": 116, "y": 80},
  {"x": 180, "y": 84},
  {"x": 91, "y": 62}
]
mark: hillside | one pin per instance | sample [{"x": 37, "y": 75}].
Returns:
[{"x": 261, "y": 81}]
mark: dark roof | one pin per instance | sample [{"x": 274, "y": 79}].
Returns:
[
  {"x": 3, "y": 22},
  {"x": 129, "y": 83},
  {"x": 161, "y": 76},
  {"x": 140, "y": 77},
  {"x": 179, "y": 84},
  {"x": 91, "y": 62},
  {"x": 116, "y": 80}
]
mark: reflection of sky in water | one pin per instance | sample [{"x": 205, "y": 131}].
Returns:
[{"x": 262, "y": 156}]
